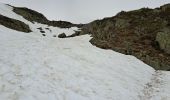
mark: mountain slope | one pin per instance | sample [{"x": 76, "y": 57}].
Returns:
[
  {"x": 42, "y": 67},
  {"x": 14, "y": 24},
  {"x": 143, "y": 33}
]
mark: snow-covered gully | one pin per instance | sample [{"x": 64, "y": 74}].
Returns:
[{"x": 36, "y": 67}]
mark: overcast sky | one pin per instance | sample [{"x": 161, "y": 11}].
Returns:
[{"x": 83, "y": 11}]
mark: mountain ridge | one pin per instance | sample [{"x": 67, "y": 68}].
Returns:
[{"x": 143, "y": 33}]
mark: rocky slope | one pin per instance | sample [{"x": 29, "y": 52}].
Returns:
[
  {"x": 14, "y": 24},
  {"x": 144, "y": 33}
]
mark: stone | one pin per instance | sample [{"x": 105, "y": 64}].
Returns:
[
  {"x": 42, "y": 31},
  {"x": 62, "y": 35},
  {"x": 163, "y": 38}
]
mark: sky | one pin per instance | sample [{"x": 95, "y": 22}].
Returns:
[{"x": 83, "y": 11}]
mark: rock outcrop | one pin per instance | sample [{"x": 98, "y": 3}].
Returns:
[
  {"x": 163, "y": 38},
  {"x": 62, "y": 35},
  {"x": 144, "y": 33},
  {"x": 14, "y": 24}
]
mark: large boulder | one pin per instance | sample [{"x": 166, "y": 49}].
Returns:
[
  {"x": 62, "y": 35},
  {"x": 163, "y": 38}
]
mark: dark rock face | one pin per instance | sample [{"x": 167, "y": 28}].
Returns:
[
  {"x": 143, "y": 33},
  {"x": 61, "y": 24},
  {"x": 63, "y": 35},
  {"x": 14, "y": 24}
]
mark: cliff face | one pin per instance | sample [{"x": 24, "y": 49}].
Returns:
[{"x": 144, "y": 33}]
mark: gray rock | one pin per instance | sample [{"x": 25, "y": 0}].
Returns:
[
  {"x": 42, "y": 31},
  {"x": 63, "y": 35},
  {"x": 163, "y": 38}
]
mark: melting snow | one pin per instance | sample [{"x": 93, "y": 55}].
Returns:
[{"x": 33, "y": 67}]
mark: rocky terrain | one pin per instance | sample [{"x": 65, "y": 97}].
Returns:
[
  {"x": 144, "y": 33},
  {"x": 14, "y": 24}
]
